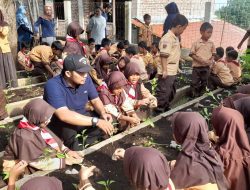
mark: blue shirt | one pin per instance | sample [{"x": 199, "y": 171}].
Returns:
[
  {"x": 48, "y": 27},
  {"x": 59, "y": 94}
]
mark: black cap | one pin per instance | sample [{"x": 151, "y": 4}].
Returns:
[{"x": 77, "y": 63}]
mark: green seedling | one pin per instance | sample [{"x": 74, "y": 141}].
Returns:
[
  {"x": 149, "y": 122},
  {"x": 154, "y": 85},
  {"x": 5, "y": 175},
  {"x": 151, "y": 143},
  {"x": 106, "y": 184},
  {"x": 84, "y": 137}
]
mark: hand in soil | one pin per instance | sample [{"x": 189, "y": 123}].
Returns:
[
  {"x": 105, "y": 126},
  {"x": 74, "y": 154},
  {"x": 107, "y": 117},
  {"x": 16, "y": 171},
  {"x": 71, "y": 160},
  {"x": 118, "y": 154}
]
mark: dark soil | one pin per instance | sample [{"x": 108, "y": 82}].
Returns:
[
  {"x": 160, "y": 134},
  {"x": 113, "y": 170},
  {"x": 23, "y": 94}
]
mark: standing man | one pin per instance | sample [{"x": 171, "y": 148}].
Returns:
[
  {"x": 96, "y": 27},
  {"x": 69, "y": 93},
  {"x": 107, "y": 11},
  {"x": 48, "y": 24}
]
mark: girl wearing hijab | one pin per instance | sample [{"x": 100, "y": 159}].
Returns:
[
  {"x": 146, "y": 168},
  {"x": 172, "y": 10},
  {"x": 51, "y": 183},
  {"x": 244, "y": 89},
  {"x": 116, "y": 101},
  {"x": 232, "y": 146},
  {"x": 136, "y": 89},
  {"x": 102, "y": 67},
  {"x": 33, "y": 142},
  {"x": 24, "y": 30},
  {"x": 198, "y": 166},
  {"x": 241, "y": 103},
  {"x": 121, "y": 64},
  {"x": 73, "y": 44},
  {"x": 8, "y": 77}
]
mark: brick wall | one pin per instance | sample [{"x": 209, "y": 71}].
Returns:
[{"x": 193, "y": 9}]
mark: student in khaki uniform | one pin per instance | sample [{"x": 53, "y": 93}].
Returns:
[
  {"x": 170, "y": 52},
  {"x": 202, "y": 52},
  {"x": 147, "y": 58},
  {"x": 145, "y": 32},
  {"x": 220, "y": 73},
  {"x": 156, "y": 54},
  {"x": 233, "y": 65},
  {"x": 41, "y": 57}
]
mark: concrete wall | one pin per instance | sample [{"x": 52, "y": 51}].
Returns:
[{"x": 193, "y": 9}]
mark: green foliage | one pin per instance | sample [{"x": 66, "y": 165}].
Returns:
[
  {"x": 154, "y": 85},
  {"x": 83, "y": 137},
  {"x": 5, "y": 175},
  {"x": 106, "y": 184},
  {"x": 236, "y": 12},
  {"x": 149, "y": 122}
]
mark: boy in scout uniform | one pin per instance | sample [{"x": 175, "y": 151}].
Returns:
[
  {"x": 170, "y": 53},
  {"x": 202, "y": 52}
]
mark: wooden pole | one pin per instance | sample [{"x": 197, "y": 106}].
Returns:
[{"x": 114, "y": 19}]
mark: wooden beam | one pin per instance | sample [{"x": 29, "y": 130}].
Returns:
[{"x": 114, "y": 18}]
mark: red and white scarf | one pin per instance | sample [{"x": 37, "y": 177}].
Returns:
[
  {"x": 131, "y": 92},
  {"x": 24, "y": 124}
]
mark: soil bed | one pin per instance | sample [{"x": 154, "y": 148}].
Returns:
[
  {"x": 24, "y": 93},
  {"x": 160, "y": 134}
]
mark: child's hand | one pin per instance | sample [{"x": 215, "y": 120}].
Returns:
[
  {"x": 17, "y": 170},
  {"x": 143, "y": 102},
  {"x": 118, "y": 154},
  {"x": 134, "y": 121}
]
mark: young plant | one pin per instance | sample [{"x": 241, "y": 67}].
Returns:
[
  {"x": 151, "y": 143},
  {"x": 154, "y": 85},
  {"x": 106, "y": 184},
  {"x": 84, "y": 137},
  {"x": 206, "y": 114},
  {"x": 149, "y": 122}
]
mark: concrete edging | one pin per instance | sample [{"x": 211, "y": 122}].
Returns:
[{"x": 96, "y": 147}]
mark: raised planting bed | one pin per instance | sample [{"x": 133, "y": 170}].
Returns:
[
  {"x": 158, "y": 136},
  {"x": 15, "y": 95}
]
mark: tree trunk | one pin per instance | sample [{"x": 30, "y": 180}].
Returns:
[{"x": 9, "y": 11}]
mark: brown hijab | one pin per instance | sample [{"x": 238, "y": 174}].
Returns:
[
  {"x": 146, "y": 168},
  {"x": 27, "y": 144},
  {"x": 229, "y": 101},
  {"x": 132, "y": 69},
  {"x": 245, "y": 89},
  {"x": 197, "y": 163},
  {"x": 126, "y": 60},
  {"x": 116, "y": 80},
  {"x": 232, "y": 146},
  {"x": 2, "y": 22},
  {"x": 3, "y": 113},
  {"x": 41, "y": 183},
  {"x": 74, "y": 29},
  {"x": 38, "y": 111},
  {"x": 103, "y": 59},
  {"x": 243, "y": 106}
]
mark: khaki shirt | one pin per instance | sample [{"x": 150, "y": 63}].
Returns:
[
  {"x": 157, "y": 60},
  {"x": 203, "y": 49},
  {"x": 41, "y": 53},
  {"x": 235, "y": 70},
  {"x": 222, "y": 71},
  {"x": 146, "y": 34},
  {"x": 170, "y": 46},
  {"x": 4, "y": 42},
  {"x": 148, "y": 58}
]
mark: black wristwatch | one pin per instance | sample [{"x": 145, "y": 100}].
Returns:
[{"x": 94, "y": 121}]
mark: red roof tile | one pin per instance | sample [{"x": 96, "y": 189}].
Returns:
[{"x": 231, "y": 36}]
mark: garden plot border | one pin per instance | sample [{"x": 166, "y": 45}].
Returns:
[{"x": 96, "y": 147}]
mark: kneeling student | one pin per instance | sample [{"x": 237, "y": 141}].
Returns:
[{"x": 220, "y": 73}]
